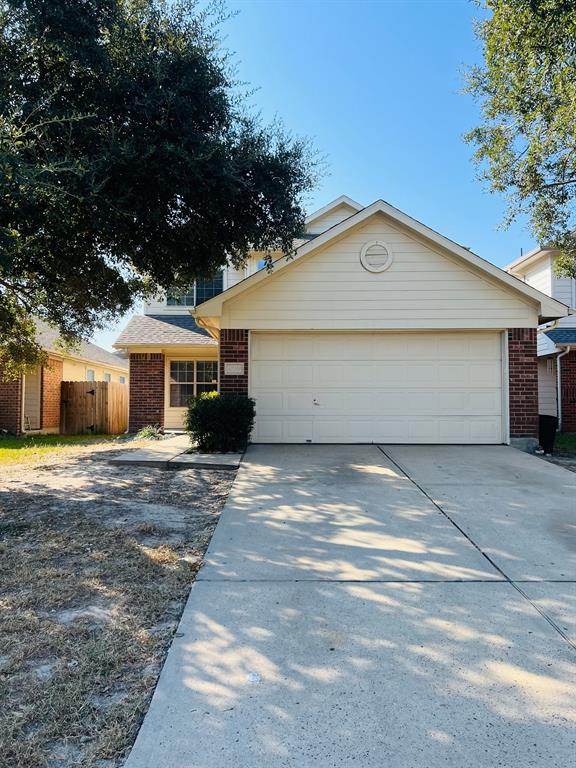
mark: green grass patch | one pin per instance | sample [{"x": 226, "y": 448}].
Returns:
[
  {"x": 18, "y": 450},
  {"x": 565, "y": 442}
]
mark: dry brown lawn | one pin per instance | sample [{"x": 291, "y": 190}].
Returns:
[{"x": 96, "y": 562}]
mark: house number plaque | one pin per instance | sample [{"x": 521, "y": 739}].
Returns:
[{"x": 233, "y": 369}]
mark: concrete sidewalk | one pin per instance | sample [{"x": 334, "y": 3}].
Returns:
[
  {"x": 172, "y": 453},
  {"x": 344, "y": 618}
]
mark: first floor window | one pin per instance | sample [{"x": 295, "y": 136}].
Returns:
[
  {"x": 90, "y": 376},
  {"x": 189, "y": 378},
  {"x": 107, "y": 377},
  {"x": 122, "y": 379}
]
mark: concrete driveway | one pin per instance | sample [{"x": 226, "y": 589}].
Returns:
[{"x": 407, "y": 607}]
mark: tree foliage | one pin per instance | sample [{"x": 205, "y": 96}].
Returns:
[
  {"x": 526, "y": 145},
  {"x": 127, "y": 162}
]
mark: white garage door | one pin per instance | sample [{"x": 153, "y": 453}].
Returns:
[{"x": 377, "y": 387}]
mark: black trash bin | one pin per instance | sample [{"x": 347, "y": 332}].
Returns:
[{"x": 547, "y": 432}]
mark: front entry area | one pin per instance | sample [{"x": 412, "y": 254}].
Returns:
[{"x": 421, "y": 387}]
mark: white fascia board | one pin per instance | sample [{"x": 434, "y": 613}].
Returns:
[
  {"x": 549, "y": 308},
  {"x": 528, "y": 258},
  {"x": 342, "y": 200}
]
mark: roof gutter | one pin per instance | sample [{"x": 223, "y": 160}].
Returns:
[{"x": 203, "y": 324}]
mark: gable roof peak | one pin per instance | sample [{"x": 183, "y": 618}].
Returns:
[
  {"x": 549, "y": 308},
  {"x": 342, "y": 200}
]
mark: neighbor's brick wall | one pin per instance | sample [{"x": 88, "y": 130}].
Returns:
[
  {"x": 11, "y": 405},
  {"x": 233, "y": 349},
  {"x": 568, "y": 391},
  {"x": 51, "y": 385},
  {"x": 523, "y": 382},
  {"x": 146, "y": 390}
]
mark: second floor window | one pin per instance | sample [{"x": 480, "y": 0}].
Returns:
[{"x": 202, "y": 290}]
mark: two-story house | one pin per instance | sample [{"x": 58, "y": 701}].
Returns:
[
  {"x": 556, "y": 340},
  {"x": 376, "y": 329}
]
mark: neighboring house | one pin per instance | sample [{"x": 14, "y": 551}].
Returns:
[
  {"x": 31, "y": 403},
  {"x": 377, "y": 329},
  {"x": 557, "y": 340}
]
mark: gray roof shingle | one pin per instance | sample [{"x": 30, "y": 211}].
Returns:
[
  {"x": 562, "y": 335},
  {"x": 48, "y": 337},
  {"x": 163, "y": 330}
]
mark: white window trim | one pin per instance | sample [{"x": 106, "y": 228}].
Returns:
[
  {"x": 93, "y": 372},
  {"x": 195, "y": 381},
  {"x": 193, "y": 294}
]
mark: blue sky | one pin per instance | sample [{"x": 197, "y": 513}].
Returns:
[{"x": 378, "y": 88}]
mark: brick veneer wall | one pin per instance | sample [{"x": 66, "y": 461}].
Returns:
[
  {"x": 11, "y": 405},
  {"x": 523, "y": 382},
  {"x": 233, "y": 349},
  {"x": 51, "y": 394},
  {"x": 146, "y": 390},
  {"x": 568, "y": 391}
]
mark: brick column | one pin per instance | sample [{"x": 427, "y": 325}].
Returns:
[
  {"x": 568, "y": 391},
  {"x": 11, "y": 405},
  {"x": 233, "y": 348},
  {"x": 51, "y": 394},
  {"x": 146, "y": 390},
  {"x": 523, "y": 382}
]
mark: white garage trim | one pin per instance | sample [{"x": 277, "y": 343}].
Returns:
[
  {"x": 505, "y": 390},
  {"x": 435, "y": 387}
]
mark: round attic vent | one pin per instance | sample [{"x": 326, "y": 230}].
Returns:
[{"x": 375, "y": 256}]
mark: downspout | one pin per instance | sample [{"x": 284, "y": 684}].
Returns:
[{"x": 559, "y": 385}]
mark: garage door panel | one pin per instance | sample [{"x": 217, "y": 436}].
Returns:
[
  {"x": 485, "y": 374},
  {"x": 311, "y": 402},
  {"x": 387, "y": 374},
  {"x": 298, "y": 430},
  {"x": 268, "y": 430},
  {"x": 270, "y": 402},
  {"x": 412, "y": 388},
  {"x": 267, "y": 374},
  {"x": 484, "y": 346}
]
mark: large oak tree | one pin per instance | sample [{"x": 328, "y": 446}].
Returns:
[
  {"x": 128, "y": 163},
  {"x": 526, "y": 145}
]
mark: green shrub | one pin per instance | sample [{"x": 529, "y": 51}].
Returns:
[
  {"x": 220, "y": 422},
  {"x": 150, "y": 432}
]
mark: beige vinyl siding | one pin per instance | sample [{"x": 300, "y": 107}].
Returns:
[
  {"x": 564, "y": 289},
  {"x": 545, "y": 346},
  {"x": 330, "y": 219},
  {"x": 233, "y": 276},
  {"x": 158, "y": 306},
  {"x": 423, "y": 288},
  {"x": 539, "y": 275},
  {"x": 32, "y": 395},
  {"x": 75, "y": 370},
  {"x": 547, "y": 392}
]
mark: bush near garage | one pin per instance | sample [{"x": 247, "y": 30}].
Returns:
[{"x": 220, "y": 422}]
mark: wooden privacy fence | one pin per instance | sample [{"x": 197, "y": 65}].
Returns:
[{"x": 93, "y": 408}]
